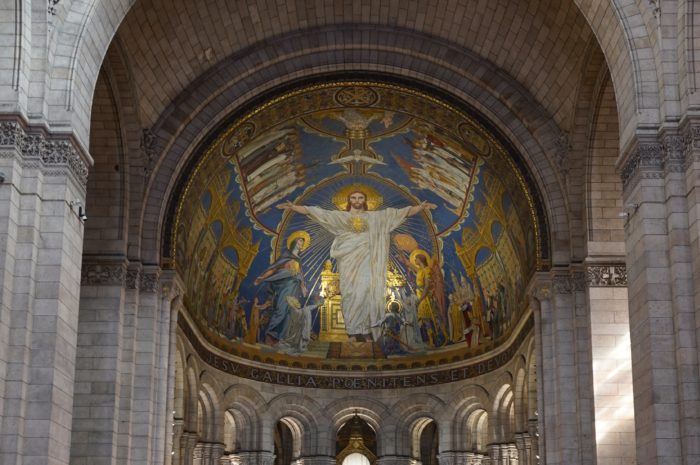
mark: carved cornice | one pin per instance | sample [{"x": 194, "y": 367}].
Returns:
[
  {"x": 645, "y": 162},
  {"x": 150, "y": 281},
  {"x": 609, "y": 275},
  {"x": 133, "y": 278},
  {"x": 569, "y": 283},
  {"x": 691, "y": 137},
  {"x": 34, "y": 146},
  {"x": 93, "y": 274},
  {"x": 674, "y": 150}
]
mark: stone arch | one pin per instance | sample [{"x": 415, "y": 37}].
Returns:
[
  {"x": 477, "y": 437},
  {"x": 624, "y": 41},
  {"x": 522, "y": 121},
  {"x": 373, "y": 412},
  {"x": 406, "y": 413},
  {"x": 603, "y": 184},
  {"x": 416, "y": 431},
  {"x": 244, "y": 404},
  {"x": 179, "y": 383},
  {"x": 136, "y": 145},
  {"x": 501, "y": 414},
  {"x": 213, "y": 413},
  {"x": 305, "y": 417},
  {"x": 531, "y": 382},
  {"x": 520, "y": 397},
  {"x": 191, "y": 402},
  {"x": 472, "y": 398}
]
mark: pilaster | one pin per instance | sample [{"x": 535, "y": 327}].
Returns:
[
  {"x": 612, "y": 362},
  {"x": 40, "y": 249},
  {"x": 564, "y": 373},
  {"x": 188, "y": 442},
  {"x": 651, "y": 306}
]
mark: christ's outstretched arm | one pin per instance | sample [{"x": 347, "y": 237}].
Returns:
[
  {"x": 424, "y": 205},
  {"x": 295, "y": 208}
]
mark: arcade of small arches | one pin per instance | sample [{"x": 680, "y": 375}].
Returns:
[{"x": 226, "y": 420}]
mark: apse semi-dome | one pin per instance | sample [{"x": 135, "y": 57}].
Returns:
[{"x": 356, "y": 227}]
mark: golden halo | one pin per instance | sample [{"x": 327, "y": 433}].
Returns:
[
  {"x": 296, "y": 235},
  {"x": 414, "y": 256},
  {"x": 374, "y": 199}
]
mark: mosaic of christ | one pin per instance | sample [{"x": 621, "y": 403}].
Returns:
[{"x": 355, "y": 221}]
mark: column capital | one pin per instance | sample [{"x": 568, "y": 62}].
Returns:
[
  {"x": 35, "y": 146},
  {"x": 171, "y": 284},
  {"x": 103, "y": 273},
  {"x": 540, "y": 287},
  {"x": 643, "y": 160},
  {"x": 150, "y": 279}
]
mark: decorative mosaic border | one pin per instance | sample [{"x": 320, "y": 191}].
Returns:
[{"x": 357, "y": 380}]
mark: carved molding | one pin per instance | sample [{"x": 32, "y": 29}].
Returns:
[
  {"x": 614, "y": 275},
  {"x": 39, "y": 150},
  {"x": 562, "y": 285},
  {"x": 645, "y": 162},
  {"x": 133, "y": 278},
  {"x": 674, "y": 149},
  {"x": 102, "y": 274},
  {"x": 692, "y": 145},
  {"x": 150, "y": 281}
]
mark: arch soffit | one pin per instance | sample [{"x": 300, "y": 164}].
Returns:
[
  {"x": 406, "y": 413},
  {"x": 625, "y": 42},
  {"x": 182, "y": 135},
  {"x": 306, "y": 414}
]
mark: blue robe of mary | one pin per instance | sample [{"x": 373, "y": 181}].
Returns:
[{"x": 286, "y": 280}]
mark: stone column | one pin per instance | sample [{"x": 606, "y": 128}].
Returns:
[
  {"x": 540, "y": 303},
  {"x": 452, "y": 458},
  {"x": 206, "y": 453},
  {"x": 164, "y": 381},
  {"x": 612, "y": 362},
  {"x": 178, "y": 429},
  {"x": 99, "y": 352},
  {"x": 146, "y": 368},
  {"x": 534, "y": 434},
  {"x": 170, "y": 426},
  {"x": 198, "y": 454},
  {"x": 651, "y": 306},
  {"x": 473, "y": 458},
  {"x": 188, "y": 442},
  {"x": 317, "y": 460},
  {"x": 495, "y": 454},
  {"x": 253, "y": 458},
  {"x": 40, "y": 259},
  {"x": 217, "y": 452},
  {"x": 523, "y": 443},
  {"x": 563, "y": 367},
  {"x": 691, "y": 137},
  {"x": 395, "y": 460}
]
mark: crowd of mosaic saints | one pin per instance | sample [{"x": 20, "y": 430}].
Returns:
[{"x": 355, "y": 221}]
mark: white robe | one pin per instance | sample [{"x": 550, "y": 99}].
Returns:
[{"x": 362, "y": 260}]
